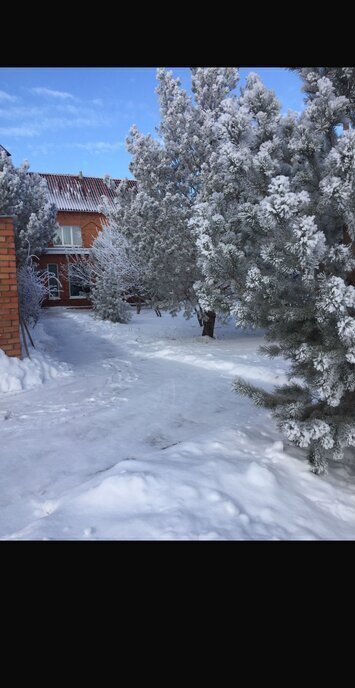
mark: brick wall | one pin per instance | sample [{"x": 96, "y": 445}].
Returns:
[
  {"x": 65, "y": 300},
  {"x": 90, "y": 224},
  {"x": 9, "y": 315}
]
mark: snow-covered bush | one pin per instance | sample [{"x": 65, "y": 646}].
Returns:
[
  {"x": 33, "y": 288},
  {"x": 107, "y": 299},
  {"x": 110, "y": 274},
  {"x": 115, "y": 274}
]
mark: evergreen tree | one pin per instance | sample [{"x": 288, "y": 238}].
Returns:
[
  {"x": 112, "y": 274},
  {"x": 251, "y": 150},
  {"x": 342, "y": 79},
  {"x": 107, "y": 299},
  {"x": 25, "y": 196},
  {"x": 168, "y": 171},
  {"x": 301, "y": 288}
]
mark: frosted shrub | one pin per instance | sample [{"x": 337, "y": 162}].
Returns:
[{"x": 32, "y": 290}]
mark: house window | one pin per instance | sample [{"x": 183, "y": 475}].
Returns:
[
  {"x": 53, "y": 283},
  {"x": 75, "y": 290},
  {"x": 67, "y": 235}
]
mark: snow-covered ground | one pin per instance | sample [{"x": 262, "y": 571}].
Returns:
[
  {"x": 142, "y": 437},
  {"x": 18, "y": 374}
]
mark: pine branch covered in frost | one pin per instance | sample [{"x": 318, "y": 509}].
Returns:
[
  {"x": 25, "y": 196},
  {"x": 301, "y": 287}
]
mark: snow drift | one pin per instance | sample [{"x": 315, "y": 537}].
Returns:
[{"x": 17, "y": 375}]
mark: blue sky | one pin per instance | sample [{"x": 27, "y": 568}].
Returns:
[{"x": 69, "y": 119}]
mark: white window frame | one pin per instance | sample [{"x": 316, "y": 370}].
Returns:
[
  {"x": 71, "y": 227},
  {"x": 53, "y": 298},
  {"x": 70, "y": 296}
]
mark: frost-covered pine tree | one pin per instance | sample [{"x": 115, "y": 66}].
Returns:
[
  {"x": 252, "y": 148},
  {"x": 107, "y": 299},
  {"x": 25, "y": 196},
  {"x": 168, "y": 172},
  {"x": 115, "y": 275},
  {"x": 110, "y": 272},
  {"x": 342, "y": 79},
  {"x": 301, "y": 290}
]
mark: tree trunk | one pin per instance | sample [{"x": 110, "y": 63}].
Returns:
[
  {"x": 209, "y": 318},
  {"x": 346, "y": 236},
  {"x": 347, "y": 240},
  {"x": 199, "y": 315},
  {"x": 24, "y": 339}
]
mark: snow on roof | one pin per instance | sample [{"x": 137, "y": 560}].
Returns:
[{"x": 75, "y": 192}]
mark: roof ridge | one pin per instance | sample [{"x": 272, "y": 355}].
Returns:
[
  {"x": 85, "y": 194},
  {"x": 67, "y": 174}
]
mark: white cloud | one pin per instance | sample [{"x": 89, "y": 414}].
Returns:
[
  {"x": 67, "y": 107},
  {"x": 89, "y": 119},
  {"x": 6, "y": 97},
  {"x": 23, "y": 130},
  {"x": 95, "y": 147},
  {"x": 45, "y": 123},
  {"x": 23, "y": 112},
  {"x": 98, "y": 146},
  {"x": 62, "y": 95},
  {"x": 42, "y": 148}
]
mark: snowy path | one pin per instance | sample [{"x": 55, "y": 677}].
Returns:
[{"x": 147, "y": 440}]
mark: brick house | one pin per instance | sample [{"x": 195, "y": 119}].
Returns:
[{"x": 77, "y": 199}]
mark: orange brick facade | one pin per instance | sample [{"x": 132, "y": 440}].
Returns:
[
  {"x": 9, "y": 313},
  {"x": 90, "y": 224}
]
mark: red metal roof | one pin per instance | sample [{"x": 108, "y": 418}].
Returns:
[{"x": 71, "y": 192}]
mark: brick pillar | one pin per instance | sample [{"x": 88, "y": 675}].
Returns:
[{"x": 9, "y": 312}]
